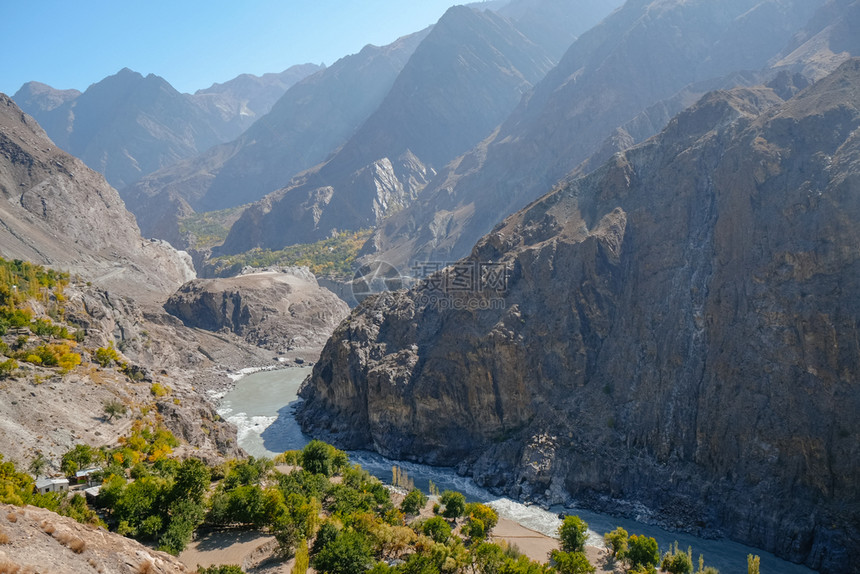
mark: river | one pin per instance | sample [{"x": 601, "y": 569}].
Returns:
[{"x": 261, "y": 406}]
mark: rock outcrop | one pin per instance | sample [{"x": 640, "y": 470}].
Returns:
[
  {"x": 60, "y": 213},
  {"x": 43, "y": 541},
  {"x": 278, "y": 310},
  {"x": 677, "y": 330}
]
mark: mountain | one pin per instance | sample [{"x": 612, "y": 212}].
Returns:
[
  {"x": 673, "y": 334},
  {"x": 59, "y": 212},
  {"x": 127, "y": 126},
  {"x": 310, "y": 121},
  {"x": 466, "y": 76},
  {"x": 244, "y": 99},
  {"x": 555, "y": 24},
  {"x": 641, "y": 55}
]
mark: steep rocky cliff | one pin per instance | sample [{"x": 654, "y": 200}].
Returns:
[
  {"x": 678, "y": 330},
  {"x": 278, "y": 310},
  {"x": 58, "y": 212}
]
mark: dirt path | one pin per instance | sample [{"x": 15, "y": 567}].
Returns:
[{"x": 218, "y": 548}]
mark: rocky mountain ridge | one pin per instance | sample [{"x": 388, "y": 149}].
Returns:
[
  {"x": 58, "y": 212},
  {"x": 641, "y": 55},
  {"x": 461, "y": 81},
  {"x": 127, "y": 125},
  {"x": 676, "y": 331},
  {"x": 312, "y": 119}
]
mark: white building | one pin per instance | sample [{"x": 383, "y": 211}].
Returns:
[{"x": 46, "y": 485}]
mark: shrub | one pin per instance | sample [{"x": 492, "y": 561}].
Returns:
[
  {"x": 222, "y": 569},
  {"x": 571, "y": 562},
  {"x": 8, "y": 367},
  {"x": 113, "y": 408},
  {"x": 105, "y": 356},
  {"x": 158, "y": 390},
  {"x": 414, "y": 502},
  {"x": 616, "y": 543},
  {"x": 4, "y": 538},
  {"x": 436, "y": 528},
  {"x": 68, "y": 361}
]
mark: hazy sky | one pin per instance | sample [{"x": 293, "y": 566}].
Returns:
[{"x": 191, "y": 43}]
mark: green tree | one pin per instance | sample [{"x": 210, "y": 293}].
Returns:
[
  {"x": 348, "y": 553},
  {"x": 753, "y": 564},
  {"x": 571, "y": 562},
  {"x": 114, "y": 408},
  {"x": 317, "y": 458},
  {"x": 454, "y": 503},
  {"x": 484, "y": 513},
  {"x": 185, "y": 515},
  {"x": 300, "y": 566},
  {"x": 643, "y": 551},
  {"x": 80, "y": 457},
  {"x": 38, "y": 465},
  {"x": 436, "y": 528},
  {"x": 191, "y": 480},
  {"x": 616, "y": 542},
  {"x": 413, "y": 502},
  {"x": 573, "y": 533}
]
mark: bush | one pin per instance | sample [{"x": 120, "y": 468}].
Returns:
[
  {"x": 573, "y": 533},
  {"x": 616, "y": 543},
  {"x": 105, "y": 356},
  {"x": 436, "y": 528},
  {"x": 414, "y": 502},
  {"x": 571, "y": 562},
  {"x": 113, "y": 408},
  {"x": 677, "y": 562},
  {"x": 8, "y": 367}
]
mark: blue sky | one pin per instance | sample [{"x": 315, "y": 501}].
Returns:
[{"x": 191, "y": 43}]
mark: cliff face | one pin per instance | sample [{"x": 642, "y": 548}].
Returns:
[
  {"x": 677, "y": 330},
  {"x": 58, "y": 212},
  {"x": 276, "y": 310}
]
